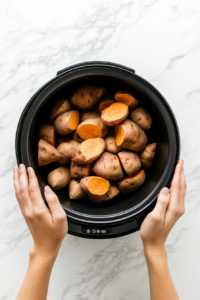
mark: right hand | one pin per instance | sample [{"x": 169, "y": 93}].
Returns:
[
  {"x": 48, "y": 226},
  {"x": 169, "y": 208}
]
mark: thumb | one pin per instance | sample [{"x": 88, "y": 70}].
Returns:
[
  {"x": 161, "y": 205},
  {"x": 53, "y": 202}
]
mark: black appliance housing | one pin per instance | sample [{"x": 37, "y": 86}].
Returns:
[{"x": 124, "y": 214}]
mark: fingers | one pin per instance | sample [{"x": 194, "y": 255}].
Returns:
[
  {"x": 56, "y": 209},
  {"x": 34, "y": 190},
  {"x": 16, "y": 185},
  {"x": 159, "y": 211}
]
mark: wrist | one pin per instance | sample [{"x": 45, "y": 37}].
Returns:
[
  {"x": 151, "y": 251},
  {"x": 38, "y": 253}
]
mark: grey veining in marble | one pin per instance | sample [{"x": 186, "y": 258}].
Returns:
[{"x": 161, "y": 41}]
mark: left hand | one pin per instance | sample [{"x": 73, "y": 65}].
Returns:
[{"x": 48, "y": 226}]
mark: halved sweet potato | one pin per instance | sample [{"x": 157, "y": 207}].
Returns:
[
  {"x": 130, "y": 136},
  {"x": 114, "y": 114},
  {"x": 92, "y": 128},
  {"x": 108, "y": 167},
  {"x": 67, "y": 152},
  {"x": 76, "y": 137},
  {"x": 46, "y": 153},
  {"x": 126, "y": 98},
  {"x": 131, "y": 184},
  {"x": 111, "y": 193},
  {"x": 105, "y": 102},
  {"x": 91, "y": 114},
  {"x": 89, "y": 150},
  {"x": 80, "y": 171},
  {"x": 147, "y": 155},
  {"x": 67, "y": 122},
  {"x": 87, "y": 96},
  {"x": 94, "y": 185},
  {"x": 61, "y": 106},
  {"x": 48, "y": 133},
  {"x": 130, "y": 162}
]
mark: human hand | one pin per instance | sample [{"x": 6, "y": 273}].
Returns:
[
  {"x": 169, "y": 208},
  {"x": 48, "y": 226}
]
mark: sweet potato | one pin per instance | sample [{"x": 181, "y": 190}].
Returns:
[
  {"x": 114, "y": 114},
  {"x": 59, "y": 178},
  {"x": 125, "y": 97},
  {"x": 108, "y": 167},
  {"x": 67, "y": 152},
  {"x": 89, "y": 150},
  {"x": 131, "y": 184},
  {"x": 91, "y": 114},
  {"x": 130, "y": 162},
  {"x": 130, "y": 136},
  {"x": 48, "y": 133},
  {"x": 141, "y": 117},
  {"x": 75, "y": 190},
  {"x": 68, "y": 139},
  {"x": 92, "y": 128},
  {"x": 94, "y": 185},
  {"x": 76, "y": 137},
  {"x": 111, "y": 193},
  {"x": 80, "y": 171},
  {"x": 105, "y": 102},
  {"x": 111, "y": 145},
  {"x": 87, "y": 96},
  {"x": 147, "y": 155},
  {"x": 67, "y": 122},
  {"x": 61, "y": 106},
  {"x": 46, "y": 153}
]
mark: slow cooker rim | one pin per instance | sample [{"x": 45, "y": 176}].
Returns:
[{"x": 123, "y": 215}]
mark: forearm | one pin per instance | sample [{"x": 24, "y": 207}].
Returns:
[
  {"x": 161, "y": 284},
  {"x": 36, "y": 281}
]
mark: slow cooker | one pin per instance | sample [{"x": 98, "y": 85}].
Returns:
[{"x": 124, "y": 214}]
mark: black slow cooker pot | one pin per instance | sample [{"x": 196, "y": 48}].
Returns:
[{"x": 125, "y": 213}]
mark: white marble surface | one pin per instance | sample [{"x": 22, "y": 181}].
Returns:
[{"x": 161, "y": 41}]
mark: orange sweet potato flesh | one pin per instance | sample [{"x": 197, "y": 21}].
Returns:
[
  {"x": 74, "y": 120},
  {"x": 125, "y": 97},
  {"x": 119, "y": 133},
  {"x": 92, "y": 128},
  {"x": 105, "y": 102},
  {"x": 67, "y": 122},
  {"x": 138, "y": 173},
  {"x": 114, "y": 114},
  {"x": 98, "y": 186}
]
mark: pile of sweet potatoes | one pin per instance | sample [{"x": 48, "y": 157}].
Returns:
[{"x": 97, "y": 143}]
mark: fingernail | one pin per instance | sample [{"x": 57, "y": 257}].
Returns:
[
  {"x": 29, "y": 170},
  {"x": 48, "y": 190},
  {"x": 164, "y": 191},
  {"x": 21, "y": 166},
  {"x": 14, "y": 170}
]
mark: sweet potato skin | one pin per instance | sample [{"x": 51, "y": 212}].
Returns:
[
  {"x": 80, "y": 171},
  {"x": 75, "y": 190},
  {"x": 125, "y": 97},
  {"x": 103, "y": 129},
  {"x": 130, "y": 185},
  {"x": 134, "y": 137},
  {"x": 147, "y": 155},
  {"x": 86, "y": 96},
  {"x": 48, "y": 133},
  {"x": 67, "y": 152},
  {"x": 62, "y": 122},
  {"x": 80, "y": 157},
  {"x": 108, "y": 167},
  {"x": 68, "y": 139},
  {"x": 116, "y": 119},
  {"x": 141, "y": 117},
  {"x": 111, "y": 145},
  {"x": 112, "y": 193},
  {"x": 84, "y": 185},
  {"x": 61, "y": 106},
  {"x": 59, "y": 178},
  {"x": 46, "y": 153},
  {"x": 76, "y": 137},
  {"x": 91, "y": 114},
  {"x": 130, "y": 162}
]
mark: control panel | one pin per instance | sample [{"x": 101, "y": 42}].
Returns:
[{"x": 89, "y": 230}]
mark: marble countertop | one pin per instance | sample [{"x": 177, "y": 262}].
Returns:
[{"x": 161, "y": 41}]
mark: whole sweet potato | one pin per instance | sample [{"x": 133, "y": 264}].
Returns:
[
  {"x": 130, "y": 136},
  {"x": 125, "y": 97},
  {"x": 130, "y": 162},
  {"x": 131, "y": 184},
  {"x": 67, "y": 122},
  {"x": 80, "y": 171},
  {"x": 108, "y": 167},
  {"x": 48, "y": 133},
  {"x": 141, "y": 117},
  {"x": 111, "y": 193},
  {"x": 89, "y": 150},
  {"x": 87, "y": 96},
  {"x": 67, "y": 152},
  {"x": 61, "y": 106},
  {"x": 59, "y": 178},
  {"x": 75, "y": 190},
  {"x": 147, "y": 155},
  {"x": 46, "y": 153}
]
